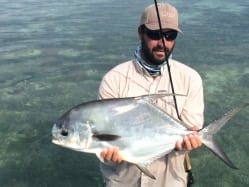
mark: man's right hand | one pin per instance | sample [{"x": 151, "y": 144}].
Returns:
[{"x": 111, "y": 154}]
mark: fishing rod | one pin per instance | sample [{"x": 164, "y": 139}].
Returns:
[
  {"x": 167, "y": 61},
  {"x": 190, "y": 177}
]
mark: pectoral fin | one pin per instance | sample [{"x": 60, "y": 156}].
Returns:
[{"x": 105, "y": 137}]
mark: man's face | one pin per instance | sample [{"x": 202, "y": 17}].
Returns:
[{"x": 152, "y": 45}]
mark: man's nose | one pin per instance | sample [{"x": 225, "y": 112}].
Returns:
[{"x": 160, "y": 43}]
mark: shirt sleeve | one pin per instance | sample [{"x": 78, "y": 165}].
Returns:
[
  {"x": 108, "y": 87},
  {"x": 193, "y": 110}
]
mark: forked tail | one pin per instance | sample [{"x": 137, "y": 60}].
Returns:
[{"x": 208, "y": 132}]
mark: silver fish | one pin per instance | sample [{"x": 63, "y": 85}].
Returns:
[{"x": 141, "y": 130}]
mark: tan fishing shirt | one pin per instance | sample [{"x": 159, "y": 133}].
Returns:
[{"x": 130, "y": 79}]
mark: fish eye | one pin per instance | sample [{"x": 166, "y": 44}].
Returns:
[{"x": 64, "y": 133}]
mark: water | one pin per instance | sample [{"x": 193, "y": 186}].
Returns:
[{"x": 54, "y": 53}]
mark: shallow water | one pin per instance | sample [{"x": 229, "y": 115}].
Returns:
[{"x": 54, "y": 53}]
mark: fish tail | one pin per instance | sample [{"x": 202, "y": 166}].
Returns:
[{"x": 207, "y": 135}]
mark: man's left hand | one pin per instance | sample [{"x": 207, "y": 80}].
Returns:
[{"x": 189, "y": 142}]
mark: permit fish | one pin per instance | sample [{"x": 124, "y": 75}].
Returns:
[{"x": 142, "y": 131}]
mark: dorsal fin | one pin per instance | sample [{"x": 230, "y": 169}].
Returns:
[{"x": 152, "y": 97}]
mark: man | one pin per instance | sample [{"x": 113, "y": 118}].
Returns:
[{"x": 147, "y": 73}]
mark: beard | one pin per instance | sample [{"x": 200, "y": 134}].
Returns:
[{"x": 150, "y": 57}]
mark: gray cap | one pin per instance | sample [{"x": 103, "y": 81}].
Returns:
[{"x": 168, "y": 16}]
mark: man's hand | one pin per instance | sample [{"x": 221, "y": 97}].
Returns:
[
  {"x": 189, "y": 142},
  {"x": 111, "y": 154}
]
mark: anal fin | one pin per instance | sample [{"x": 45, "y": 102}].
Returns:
[{"x": 145, "y": 170}]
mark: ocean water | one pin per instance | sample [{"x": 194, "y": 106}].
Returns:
[{"x": 54, "y": 53}]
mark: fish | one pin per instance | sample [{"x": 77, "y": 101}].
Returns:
[{"x": 141, "y": 130}]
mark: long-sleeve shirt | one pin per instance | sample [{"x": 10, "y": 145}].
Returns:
[{"x": 131, "y": 79}]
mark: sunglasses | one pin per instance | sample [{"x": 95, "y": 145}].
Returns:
[{"x": 156, "y": 34}]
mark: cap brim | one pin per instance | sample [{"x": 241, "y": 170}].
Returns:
[{"x": 155, "y": 26}]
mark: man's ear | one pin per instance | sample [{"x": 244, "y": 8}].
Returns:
[{"x": 140, "y": 32}]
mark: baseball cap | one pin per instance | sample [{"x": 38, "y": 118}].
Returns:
[{"x": 168, "y": 16}]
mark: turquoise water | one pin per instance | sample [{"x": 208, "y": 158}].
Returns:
[{"x": 54, "y": 53}]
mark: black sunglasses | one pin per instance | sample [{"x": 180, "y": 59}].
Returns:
[{"x": 156, "y": 34}]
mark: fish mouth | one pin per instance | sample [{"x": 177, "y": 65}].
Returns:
[
  {"x": 56, "y": 141},
  {"x": 56, "y": 138}
]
